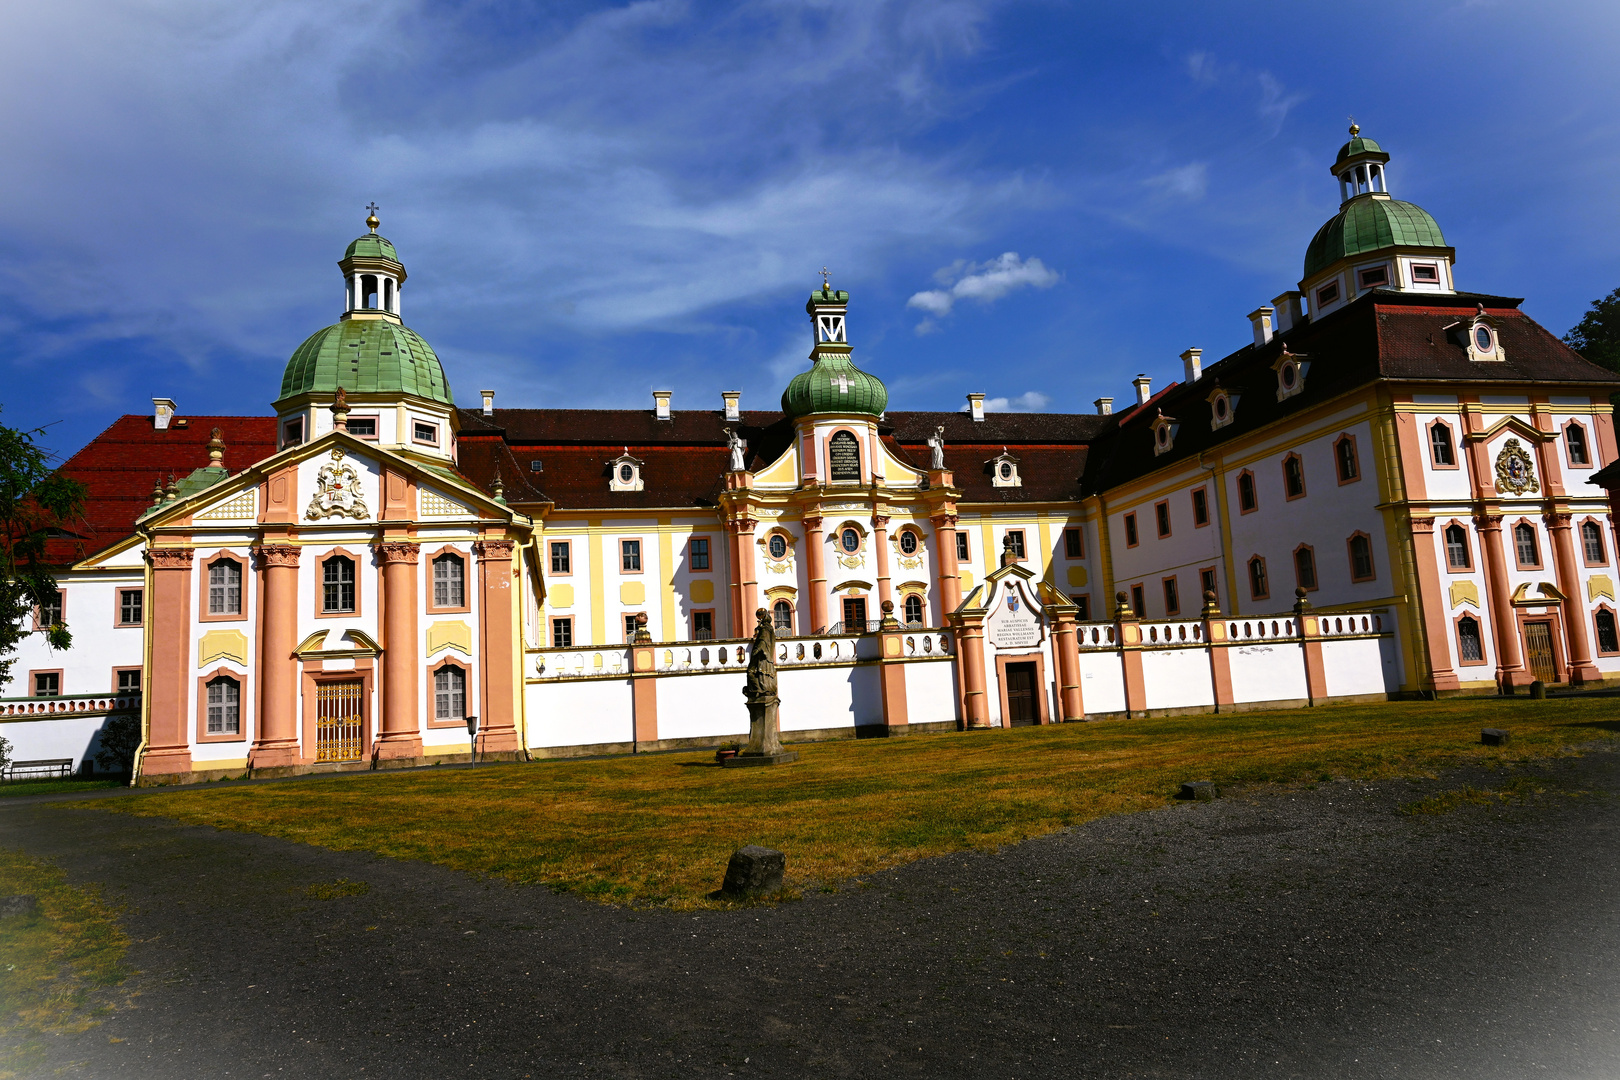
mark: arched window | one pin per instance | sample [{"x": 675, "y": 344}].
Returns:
[
  {"x": 782, "y": 615},
  {"x": 224, "y": 706},
  {"x": 1607, "y": 640},
  {"x": 449, "y": 581},
  {"x": 1575, "y": 444},
  {"x": 225, "y": 587},
  {"x": 1305, "y": 567},
  {"x": 1293, "y": 476},
  {"x": 1344, "y": 456},
  {"x": 1592, "y": 543},
  {"x": 908, "y": 542},
  {"x": 1258, "y": 587},
  {"x": 449, "y": 693},
  {"x": 1440, "y": 449},
  {"x": 1457, "y": 553},
  {"x": 849, "y": 539},
  {"x": 337, "y": 584},
  {"x": 1247, "y": 503},
  {"x": 1524, "y": 544},
  {"x": 1468, "y": 646},
  {"x": 1361, "y": 560},
  {"x": 914, "y": 610}
]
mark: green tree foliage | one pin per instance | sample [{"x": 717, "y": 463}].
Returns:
[
  {"x": 120, "y": 738},
  {"x": 1597, "y": 336},
  {"x": 34, "y": 498}
]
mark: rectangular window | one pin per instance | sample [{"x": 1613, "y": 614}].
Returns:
[
  {"x": 1161, "y": 518},
  {"x": 630, "y": 624},
  {"x": 1293, "y": 476},
  {"x": 1327, "y": 294},
  {"x": 1305, "y": 568},
  {"x": 47, "y": 684},
  {"x": 1017, "y": 538},
  {"x": 962, "y": 547},
  {"x": 1138, "y": 601},
  {"x": 129, "y": 681},
  {"x": 1130, "y": 530},
  {"x": 1425, "y": 273},
  {"x": 700, "y": 553},
  {"x": 1206, "y": 583},
  {"x": 1083, "y": 603},
  {"x": 225, "y": 587},
  {"x": 1259, "y": 587},
  {"x": 224, "y": 707},
  {"x": 1200, "y": 501},
  {"x": 1344, "y": 455},
  {"x": 630, "y": 556},
  {"x": 363, "y": 427},
  {"x": 1247, "y": 502},
  {"x": 1374, "y": 276},
  {"x": 292, "y": 432},
  {"x": 535, "y": 466},
  {"x": 1525, "y": 546},
  {"x": 425, "y": 433},
  {"x": 337, "y": 585},
  {"x": 1172, "y": 598},
  {"x": 703, "y": 626},
  {"x": 855, "y": 615},
  {"x": 562, "y": 633},
  {"x": 50, "y": 612},
  {"x": 449, "y": 582},
  {"x": 1592, "y": 544},
  {"x": 449, "y": 694},
  {"x": 1456, "y": 538},
  {"x": 1073, "y": 545},
  {"x": 131, "y": 603},
  {"x": 1440, "y": 447},
  {"x": 560, "y": 563}
]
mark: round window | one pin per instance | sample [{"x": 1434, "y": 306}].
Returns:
[
  {"x": 1220, "y": 408},
  {"x": 626, "y": 474},
  {"x": 778, "y": 546},
  {"x": 908, "y": 543},
  {"x": 1288, "y": 374},
  {"x": 1482, "y": 339},
  {"x": 1006, "y": 470},
  {"x": 851, "y": 540}
]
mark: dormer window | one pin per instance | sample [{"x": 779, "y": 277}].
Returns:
[
  {"x": 1327, "y": 294},
  {"x": 1480, "y": 339},
  {"x": 624, "y": 473},
  {"x": 292, "y": 432},
  {"x": 425, "y": 433},
  {"x": 1222, "y": 408},
  {"x": 1004, "y": 470},
  {"x": 1164, "y": 434},
  {"x": 1373, "y": 277},
  {"x": 1425, "y": 274},
  {"x": 1291, "y": 371}
]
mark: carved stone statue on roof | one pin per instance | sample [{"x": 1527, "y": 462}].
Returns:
[
  {"x": 936, "y": 443},
  {"x": 737, "y": 446}
]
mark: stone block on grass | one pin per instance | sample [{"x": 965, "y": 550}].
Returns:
[
  {"x": 1495, "y": 737},
  {"x": 17, "y": 905},
  {"x": 753, "y": 871},
  {"x": 1198, "y": 790}
]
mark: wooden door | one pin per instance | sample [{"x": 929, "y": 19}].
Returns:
[
  {"x": 1538, "y": 648},
  {"x": 339, "y": 721},
  {"x": 855, "y": 615},
  {"x": 1021, "y": 706}
]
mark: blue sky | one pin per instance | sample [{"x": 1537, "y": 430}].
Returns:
[{"x": 1033, "y": 200}]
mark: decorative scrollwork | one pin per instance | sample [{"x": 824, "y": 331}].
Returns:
[
  {"x": 337, "y": 492},
  {"x": 1515, "y": 472}
]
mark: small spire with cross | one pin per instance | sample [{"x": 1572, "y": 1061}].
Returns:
[
  {"x": 826, "y": 278},
  {"x": 371, "y": 220},
  {"x": 1355, "y": 128}
]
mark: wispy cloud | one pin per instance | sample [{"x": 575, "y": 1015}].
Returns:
[
  {"x": 1183, "y": 182},
  {"x": 1030, "y": 401},
  {"x": 1276, "y": 101},
  {"x": 984, "y": 282}
]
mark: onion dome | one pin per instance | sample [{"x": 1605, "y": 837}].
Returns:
[
  {"x": 366, "y": 356},
  {"x": 1366, "y": 225},
  {"x": 833, "y": 384}
]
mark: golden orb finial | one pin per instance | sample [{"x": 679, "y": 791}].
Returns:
[
  {"x": 371, "y": 220},
  {"x": 1355, "y": 129}
]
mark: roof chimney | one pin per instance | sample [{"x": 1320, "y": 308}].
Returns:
[
  {"x": 661, "y": 403},
  {"x": 1192, "y": 365},
  {"x": 1260, "y": 319},
  {"x": 976, "y": 406},
  {"x": 489, "y": 402},
  {"x": 1290, "y": 311},
  {"x": 733, "y": 400},
  {"x": 1144, "y": 388},
  {"x": 162, "y": 412},
  {"x": 1105, "y": 406}
]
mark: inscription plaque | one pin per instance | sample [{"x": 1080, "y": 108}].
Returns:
[{"x": 844, "y": 456}]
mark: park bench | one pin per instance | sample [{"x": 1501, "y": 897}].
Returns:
[{"x": 42, "y": 769}]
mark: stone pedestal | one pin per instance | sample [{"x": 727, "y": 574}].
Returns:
[{"x": 764, "y": 737}]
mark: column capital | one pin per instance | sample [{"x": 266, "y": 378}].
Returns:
[
  {"x": 493, "y": 550},
  {"x": 880, "y": 521},
  {"x": 170, "y": 558},
  {"x": 1557, "y": 520},
  {"x": 1423, "y": 524},
  {"x": 811, "y": 522},
  {"x": 741, "y": 524},
  {"x": 399, "y": 551},
  {"x": 1488, "y": 522},
  {"x": 278, "y": 554},
  {"x": 944, "y": 520}
]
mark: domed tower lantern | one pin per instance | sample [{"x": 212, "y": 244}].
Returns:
[
  {"x": 835, "y": 406},
  {"x": 1360, "y": 167}
]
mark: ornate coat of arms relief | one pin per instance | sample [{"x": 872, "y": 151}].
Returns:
[
  {"x": 1515, "y": 472},
  {"x": 337, "y": 492}
]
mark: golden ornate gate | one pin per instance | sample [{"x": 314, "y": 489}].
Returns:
[
  {"x": 340, "y": 721},
  {"x": 1539, "y": 647}
]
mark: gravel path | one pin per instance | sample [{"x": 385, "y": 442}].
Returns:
[{"x": 1314, "y": 934}]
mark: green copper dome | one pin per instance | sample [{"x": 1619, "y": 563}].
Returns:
[
  {"x": 366, "y": 356},
  {"x": 1356, "y": 147},
  {"x": 371, "y": 246},
  {"x": 1369, "y": 224},
  {"x": 834, "y": 385}
]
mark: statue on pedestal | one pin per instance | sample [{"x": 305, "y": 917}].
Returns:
[
  {"x": 936, "y": 443},
  {"x": 736, "y": 445},
  {"x": 764, "y": 730}
]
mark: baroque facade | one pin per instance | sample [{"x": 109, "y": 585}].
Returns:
[{"x": 1385, "y": 491}]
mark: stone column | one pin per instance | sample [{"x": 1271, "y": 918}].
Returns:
[
  {"x": 1128, "y": 640},
  {"x": 745, "y": 576},
  {"x": 168, "y": 700},
  {"x": 880, "y": 537},
  {"x": 892, "y": 673},
  {"x": 1067, "y": 652},
  {"x": 498, "y": 683},
  {"x": 643, "y": 688},
  {"x": 1306, "y": 625},
  {"x": 1510, "y": 672},
  {"x": 949, "y": 574},
  {"x": 1429, "y": 607},
  {"x": 1581, "y": 668},
  {"x": 278, "y": 744},
  {"x": 400, "y": 736},
  {"x": 1220, "y": 658},
  {"x": 970, "y": 661},
  {"x": 813, "y": 616}
]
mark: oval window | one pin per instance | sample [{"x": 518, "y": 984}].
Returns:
[
  {"x": 626, "y": 474},
  {"x": 1006, "y": 471},
  {"x": 778, "y": 546},
  {"x": 908, "y": 543},
  {"x": 1482, "y": 338},
  {"x": 851, "y": 540},
  {"x": 1220, "y": 408},
  {"x": 1288, "y": 376}
]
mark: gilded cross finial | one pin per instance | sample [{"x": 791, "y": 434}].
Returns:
[
  {"x": 371, "y": 220},
  {"x": 1355, "y": 128},
  {"x": 826, "y": 279}
]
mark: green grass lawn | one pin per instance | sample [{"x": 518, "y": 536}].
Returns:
[
  {"x": 659, "y": 828},
  {"x": 55, "y": 787}
]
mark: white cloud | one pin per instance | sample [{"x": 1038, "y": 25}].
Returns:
[
  {"x": 984, "y": 282},
  {"x": 1183, "y": 182},
  {"x": 1032, "y": 401},
  {"x": 1275, "y": 101}
]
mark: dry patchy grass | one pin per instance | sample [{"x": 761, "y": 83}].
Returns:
[{"x": 659, "y": 828}]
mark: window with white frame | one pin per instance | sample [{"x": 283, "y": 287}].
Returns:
[
  {"x": 224, "y": 706},
  {"x": 449, "y": 581},
  {"x": 450, "y": 693}
]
